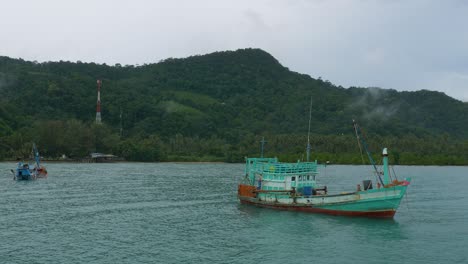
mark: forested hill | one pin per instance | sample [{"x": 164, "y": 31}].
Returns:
[{"x": 216, "y": 105}]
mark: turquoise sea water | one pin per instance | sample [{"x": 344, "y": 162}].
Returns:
[{"x": 188, "y": 213}]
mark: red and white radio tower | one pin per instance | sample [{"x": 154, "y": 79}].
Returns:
[{"x": 98, "y": 106}]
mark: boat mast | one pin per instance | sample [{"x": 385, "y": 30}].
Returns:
[
  {"x": 308, "y": 132},
  {"x": 360, "y": 139},
  {"x": 263, "y": 146},
  {"x": 36, "y": 155}
]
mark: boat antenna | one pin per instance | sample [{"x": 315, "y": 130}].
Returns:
[
  {"x": 360, "y": 139},
  {"x": 308, "y": 132},
  {"x": 263, "y": 145}
]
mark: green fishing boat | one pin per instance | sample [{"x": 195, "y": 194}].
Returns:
[{"x": 293, "y": 186}]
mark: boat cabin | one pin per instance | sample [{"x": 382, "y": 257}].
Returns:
[{"x": 267, "y": 174}]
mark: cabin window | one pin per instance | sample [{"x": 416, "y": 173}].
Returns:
[
  {"x": 300, "y": 178},
  {"x": 293, "y": 178},
  {"x": 308, "y": 177}
]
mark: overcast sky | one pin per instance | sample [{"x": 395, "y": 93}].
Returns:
[{"x": 404, "y": 45}]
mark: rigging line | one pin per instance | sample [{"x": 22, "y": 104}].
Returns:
[
  {"x": 394, "y": 173},
  {"x": 360, "y": 149},
  {"x": 359, "y": 144},
  {"x": 381, "y": 171},
  {"x": 390, "y": 175},
  {"x": 369, "y": 155}
]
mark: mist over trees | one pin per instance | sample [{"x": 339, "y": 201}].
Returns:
[{"x": 217, "y": 107}]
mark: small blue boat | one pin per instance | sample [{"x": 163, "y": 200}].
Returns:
[{"x": 24, "y": 172}]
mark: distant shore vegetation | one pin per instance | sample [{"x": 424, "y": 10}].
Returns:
[{"x": 75, "y": 140}]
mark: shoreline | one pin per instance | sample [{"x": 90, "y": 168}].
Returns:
[{"x": 220, "y": 162}]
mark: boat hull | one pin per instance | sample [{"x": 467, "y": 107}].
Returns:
[
  {"x": 23, "y": 174},
  {"x": 24, "y": 178},
  {"x": 379, "y": 203},
  {"x": 390, "y": 213}
]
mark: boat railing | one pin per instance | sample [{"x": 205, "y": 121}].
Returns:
[
  {"x": 271, "y": 169},
  {"x": 266, "y": 166}
]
